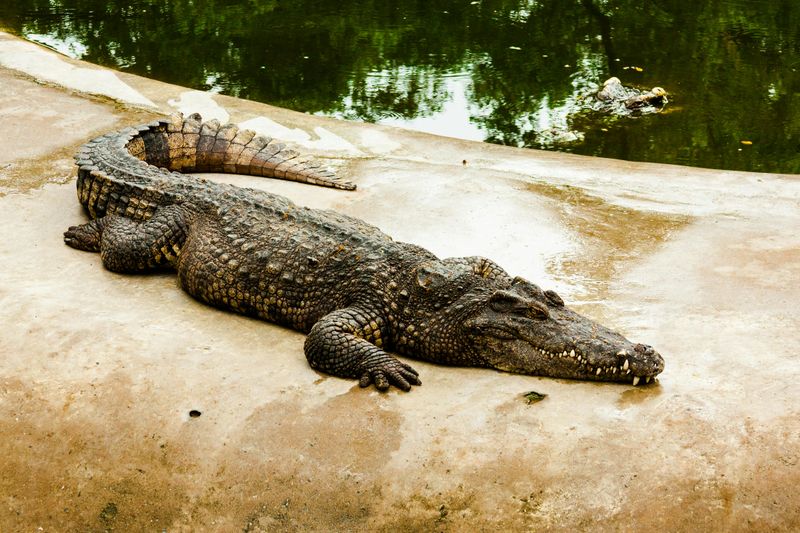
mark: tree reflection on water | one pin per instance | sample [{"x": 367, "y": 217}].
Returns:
[{"x": 510, "y": 72}]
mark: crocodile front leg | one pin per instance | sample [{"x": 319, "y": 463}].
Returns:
[
  {"x": 338, "y": 345},
  {"x": 128, "y": 246}
]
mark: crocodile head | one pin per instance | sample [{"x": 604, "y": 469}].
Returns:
[{"x": 526, "y": 330}]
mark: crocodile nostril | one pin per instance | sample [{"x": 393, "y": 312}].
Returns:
[{"x": 644, "y": 349}]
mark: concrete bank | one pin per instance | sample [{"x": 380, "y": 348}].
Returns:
[{"x": 98, "y": 372}]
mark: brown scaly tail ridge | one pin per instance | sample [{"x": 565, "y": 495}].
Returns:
[
  {"x": 134, "y": 170},
  {"x": 190, "y": 145}
]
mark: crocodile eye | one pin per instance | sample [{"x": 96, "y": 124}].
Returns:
[
  {"x": 536, "y": 310},
  {"x": 507, "y": 302}
]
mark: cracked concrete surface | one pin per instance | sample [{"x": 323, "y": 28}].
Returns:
[{"x": 100, "y": 371}]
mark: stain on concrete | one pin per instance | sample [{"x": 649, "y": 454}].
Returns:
[
  {"x": 84, "y": 466},
  {"x": 610, "y": 236},
  {"x": 288, "y": 469},
  {"x": 39, "y": 141},
  {"x": 43, "y": 64}
]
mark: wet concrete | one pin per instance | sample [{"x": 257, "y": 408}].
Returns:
[{"x": 100, "y": 371}]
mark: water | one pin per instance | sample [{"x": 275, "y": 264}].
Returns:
[{"x": 503, "y": 71}]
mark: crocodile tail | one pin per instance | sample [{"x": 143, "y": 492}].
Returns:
[
  {"x": 110, "y": 180},
  {"x": 101, "y": 194},
  {"x": 191, "y": 145}
]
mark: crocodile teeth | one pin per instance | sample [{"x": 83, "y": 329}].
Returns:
[
  {"x": 647, "y": 379},
  {"x": 635, "y": 380},
  {"x": 565, "y": 353},
  {"x": 572, "y": 353},
  {"x": 599, "y": 370},
  {"x": 626, "y": 365}
]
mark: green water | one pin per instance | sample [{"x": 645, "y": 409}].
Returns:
[{"x": 508, "y": 72}]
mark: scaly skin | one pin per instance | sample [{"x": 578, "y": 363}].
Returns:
[
  {"x": 357, "y": 293},
  {"x": 616, "y": 98}
]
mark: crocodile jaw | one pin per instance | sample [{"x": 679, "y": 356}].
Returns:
[
  {"x": 566, "y": 345},
  {"x": 624, "y": 366}
]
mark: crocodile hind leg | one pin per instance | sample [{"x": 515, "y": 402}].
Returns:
[
  {"x": 129, "y": 246},
  {"x": 338, "y": 345}
]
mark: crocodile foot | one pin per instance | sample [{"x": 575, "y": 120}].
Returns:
[
  {"x": 336, "y": 345},
  {"x": 389, "y": 371},
  {"x": 85, "y": 237}
]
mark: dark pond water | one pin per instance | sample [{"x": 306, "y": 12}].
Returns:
[{"x": 508, "y": 72}]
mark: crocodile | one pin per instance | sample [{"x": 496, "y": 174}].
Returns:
[
  {"x": 600, "y": 107},
  {"x": 616, "y": 98},
  {"x": 358, "y": 294}
]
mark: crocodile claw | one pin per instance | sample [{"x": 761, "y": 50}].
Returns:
[
  {"x": 84, "y": 237},
  {"x": 387, "y": 373}
]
